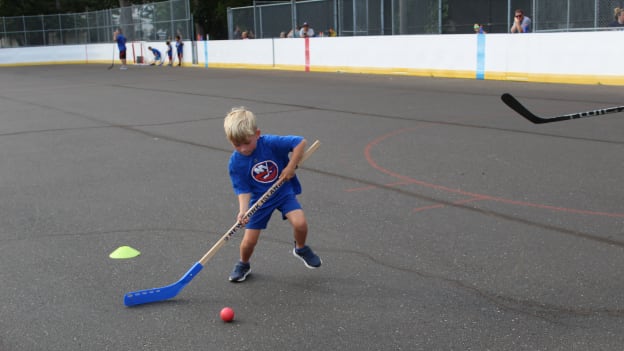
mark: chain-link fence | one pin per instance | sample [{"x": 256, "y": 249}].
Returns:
[
  {"x": 154, "y": 21},
  {"x": 268, "y": 19},
  {"x": 574, "y": 15}
]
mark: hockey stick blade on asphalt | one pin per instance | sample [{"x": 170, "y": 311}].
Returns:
[
  {"x": 166, "y": 292},
  {"x": 515, "y": 105}
]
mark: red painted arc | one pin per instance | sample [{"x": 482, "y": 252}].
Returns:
[{"x": 473, "y": 196}]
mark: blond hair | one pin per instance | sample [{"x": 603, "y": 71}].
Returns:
[
  {"x": 617, "y": 11},
  {"x": 240, "y": 125}
]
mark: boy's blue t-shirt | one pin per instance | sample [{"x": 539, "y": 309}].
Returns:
[
  {"x": 121, "y": 42},
  {"x": 257, "y": 172},
  {"x": 156, "y": 52}
]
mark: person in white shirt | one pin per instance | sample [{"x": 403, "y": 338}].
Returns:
[{"x": 306, "y": 31}]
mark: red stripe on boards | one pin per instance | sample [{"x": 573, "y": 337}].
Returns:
[{"x": 307, "y": 54}]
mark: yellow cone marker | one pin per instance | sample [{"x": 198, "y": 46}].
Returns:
[{"x": 124, "y": 252}]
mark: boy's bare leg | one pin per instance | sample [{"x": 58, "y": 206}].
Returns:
[
  {"x": 300, "y": 227},
  {"x": 248, "y": 244}
]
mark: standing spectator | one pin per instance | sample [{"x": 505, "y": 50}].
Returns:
[
  {"x": 179, "y": 49},
  {"x": 237, "y": 33},
  {"x": 522, "y": 23},
  {"x": 294, "y": 33},
  {"x": 121, "y": 45},
  {"x": 169, "y": 52},
  {"x": 331, "y": 32},
  {"x": 306, "y": 31},
  {"x": 478, "y": 28},
  {"x": 619, "y": 18}
]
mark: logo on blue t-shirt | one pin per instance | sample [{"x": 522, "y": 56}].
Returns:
[{"x": 265, "y": 171}]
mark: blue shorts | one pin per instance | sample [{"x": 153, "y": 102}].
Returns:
[{"x": 260, "y": 219}]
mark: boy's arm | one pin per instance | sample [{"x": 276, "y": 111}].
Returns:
[
  {"x": 243, "y": 206},
  {"x": 295, "y": 158}
]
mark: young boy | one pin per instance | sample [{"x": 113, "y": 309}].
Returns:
[
  {"x": 179, "y": 49},
  {"x": 255, "y": 165},
  {"x": 169, "y": 52},
  {"x": 157, "y": 56},
  {"x": 121, "y": 45}
]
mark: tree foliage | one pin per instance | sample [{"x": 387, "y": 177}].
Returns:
[
  {"x": 210, "y": 16},
  {"x": 9, "y": 8}
]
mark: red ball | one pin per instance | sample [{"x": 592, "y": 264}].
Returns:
[{"x": 227, "y": 314}]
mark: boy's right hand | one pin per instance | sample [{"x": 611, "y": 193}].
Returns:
[
  {"x": 241, "y": 218},
  {"x": 243, "y": 207}
]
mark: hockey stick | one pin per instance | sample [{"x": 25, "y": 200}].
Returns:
[
  {"x": 169, "y": 291},
  {"x": 113, "y": 62},
  {"x": 515, "y": 105}
]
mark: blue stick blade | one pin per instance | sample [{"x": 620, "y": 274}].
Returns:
[{"x": 163, "y": 293}]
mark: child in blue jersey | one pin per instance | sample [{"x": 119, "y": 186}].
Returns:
[
  {"x": 121, "y": 45},
  {"x": 256, "y": 164},
  {"x": 169, "y": 52},
  {"x": 157, "y": 56},
  {"x": 179, "y": 49}
]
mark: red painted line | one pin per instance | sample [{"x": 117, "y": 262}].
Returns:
[
  {"x": 133, "y": 54},
  {"x": 425, "y": 208},
  {"x": 375, "y": 187},
  {"x": 307, "y": 54},
  {"x": 369, "y": 158},
  {"x": 459, "y": 202}
]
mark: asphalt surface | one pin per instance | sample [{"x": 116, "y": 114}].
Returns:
[{"x": 445, "y": 221}]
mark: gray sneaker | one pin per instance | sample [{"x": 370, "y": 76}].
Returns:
[
  {"x": 240, "y": 272},
  {"x": 309, "y": 258}
]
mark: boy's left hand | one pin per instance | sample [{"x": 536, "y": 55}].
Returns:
[
  {"x": 288, "y": 173},
  {"x": 291, "y": 167}
]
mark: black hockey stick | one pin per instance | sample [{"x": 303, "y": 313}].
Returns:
[
  {"x": 113, "y": 62},
  {"x": 515, "y": 105}
]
